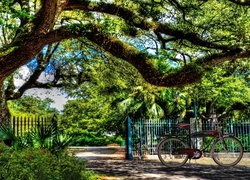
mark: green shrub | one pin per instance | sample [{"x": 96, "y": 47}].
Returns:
[
  {"x": 91, "y": 139},
  {"x": 88, "y": 141},
  {"x": 39, "y": 164},
  {"x": 244, "y": 139}
]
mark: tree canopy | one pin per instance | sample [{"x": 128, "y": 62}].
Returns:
[
  {"x": 223, "y": 90},
  {"x": 29, "y": 105},
  {"x": 192, "y": 36},
  {"x": 171, "y": 43}
]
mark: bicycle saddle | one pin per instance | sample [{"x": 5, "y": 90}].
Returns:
[{"x": 183, "y": 125}]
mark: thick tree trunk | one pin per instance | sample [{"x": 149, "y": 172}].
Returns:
[{"x": 4, "y": 111}]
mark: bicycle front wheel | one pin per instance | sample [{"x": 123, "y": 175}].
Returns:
[
  {"x": 227, "y": 151},
  {"x": 168, "y": 152}
]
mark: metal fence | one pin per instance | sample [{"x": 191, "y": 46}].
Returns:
[
  {"x": 23, "y": 124},
  {"x": 145, "y": 133}
]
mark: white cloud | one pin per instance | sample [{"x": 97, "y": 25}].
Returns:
[{"x": 58, "y": 97}]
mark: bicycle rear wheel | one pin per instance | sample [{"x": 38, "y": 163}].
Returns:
[
  {"x": 168, "y": 152},
  {"x": 227, "y": 151}
]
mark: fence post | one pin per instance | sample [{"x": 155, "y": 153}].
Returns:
[
  {"x": 196, "y": 126},
  {"x": 14, "y": 124},
  {"x": 231, "y": 126},
  {"x": 129, "y": 155},
  {"x": 140, "y": 131},
  {"x": 152, "y": 128}
]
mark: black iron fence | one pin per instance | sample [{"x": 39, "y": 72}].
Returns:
[{"x": 23, "y": 124}]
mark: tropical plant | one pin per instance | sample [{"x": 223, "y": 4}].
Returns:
[
  {"x": 7, "y": 135},
  {"x": 148, "y": 102},
  {"x": 43, "y": 138}
]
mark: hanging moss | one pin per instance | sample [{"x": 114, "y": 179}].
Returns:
[{"x": 189, "y": 74}]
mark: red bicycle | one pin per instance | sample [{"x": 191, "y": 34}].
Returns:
[{"x": 174, "y": 151}]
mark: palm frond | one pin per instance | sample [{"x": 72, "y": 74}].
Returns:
[{"x": 7, "y": 135}]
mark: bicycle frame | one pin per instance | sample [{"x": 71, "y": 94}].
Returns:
[
  {"x": 174, "y": 150},
  {"x": 192, "y": 151}
]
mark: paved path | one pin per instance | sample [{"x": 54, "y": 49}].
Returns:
[{"x": 115, "y": 167}]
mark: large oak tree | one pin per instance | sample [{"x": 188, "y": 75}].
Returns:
[{"x": 193, "y": 35}]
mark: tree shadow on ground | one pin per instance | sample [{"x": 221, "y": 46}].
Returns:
[{"x": 148, "y": 170}]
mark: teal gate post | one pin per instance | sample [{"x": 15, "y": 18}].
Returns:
[
  {"x": 196, "y": 124},
  {"x": 140, "y": 125},
  {"x": 129, "y": 155}
]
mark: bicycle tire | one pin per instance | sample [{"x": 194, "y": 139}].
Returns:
[
  {"x": 166, "y": 152},
  {"x": 227, "y": 151}
]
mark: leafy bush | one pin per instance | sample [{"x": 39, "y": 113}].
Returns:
[
  {"x": 39, "y": 164},
  {"x": 91, "y": 139},
  {"x": 244, "y": 139},
  {"x": 88, "y": 139}
]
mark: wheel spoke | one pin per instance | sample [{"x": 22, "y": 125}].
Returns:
[
  {"x": 168, "y": 152},
  {"x": 227, "y": 151}
]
